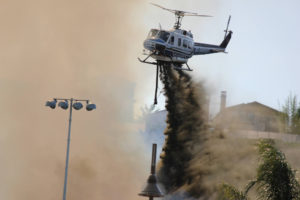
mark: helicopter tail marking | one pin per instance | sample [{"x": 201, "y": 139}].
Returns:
[{"x": 226, "y": 40}]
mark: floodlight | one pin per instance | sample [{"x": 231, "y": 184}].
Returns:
[
  {"x": 63, "y": 104},
  {"x": 90, "y": 107},
  {"x": 77, "y": 106},
  {"x": 51, "y": 104}
]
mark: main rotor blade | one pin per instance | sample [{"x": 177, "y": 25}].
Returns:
[
  {"x": 180, "y": 12},
  {"x": 197, "y": 15},
  {"x": 173, "y": 11}
]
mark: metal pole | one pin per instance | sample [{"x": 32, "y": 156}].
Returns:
[
  {"x": 153, "y": 161},
  {"x": 68, "y": 150},
  {"x": 156, "y": 85}
]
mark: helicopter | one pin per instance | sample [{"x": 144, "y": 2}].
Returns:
[{"x": 175, "y": 47}]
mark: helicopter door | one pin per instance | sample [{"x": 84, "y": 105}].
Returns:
[{"x": 179, "y": 42}]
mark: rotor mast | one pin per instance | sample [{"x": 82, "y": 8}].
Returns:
[{"x": 178, "y": 18}]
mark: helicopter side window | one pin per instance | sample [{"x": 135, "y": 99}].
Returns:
[
  {"x": 189, "y": 45},
  {"x": 179, "y": 42},
  {"x": 171, "y": 40},
  {"x": 184, "y": 44},
  {"x": 163, "y": 35}
]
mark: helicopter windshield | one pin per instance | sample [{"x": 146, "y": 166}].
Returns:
[{"x": 153, "y": 33}]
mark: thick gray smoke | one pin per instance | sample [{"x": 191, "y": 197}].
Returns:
[
  {"x": 185, "y": 128},
  {"x": 195, "y": 161}
]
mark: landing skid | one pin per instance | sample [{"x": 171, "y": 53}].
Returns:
[{"x": 144, "y": 61}]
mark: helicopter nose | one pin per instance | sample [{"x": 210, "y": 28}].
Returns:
[
  {"x": 160, "y": 47},
  {"x": 149, "y": 44},
  {"x": 155, "y": 44}
]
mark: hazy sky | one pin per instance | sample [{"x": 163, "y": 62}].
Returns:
[
  {"x": 64, "y": 48},
  {"x": 89, "y": 49},
  {"x": 262, "y": 64}
]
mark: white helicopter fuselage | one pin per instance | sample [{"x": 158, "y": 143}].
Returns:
[
  {"x": 177, "y": 46},
  {"x": 170, "y": 46}
]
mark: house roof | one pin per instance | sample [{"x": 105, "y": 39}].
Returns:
[
  {"x": 254, "y": 103},
  {"x": 246, "y": 106}
]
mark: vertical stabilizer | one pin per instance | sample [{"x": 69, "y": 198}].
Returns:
[{"x": 226, "y": 40}]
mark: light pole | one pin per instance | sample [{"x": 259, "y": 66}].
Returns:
[{"x": 77, "y": 105}]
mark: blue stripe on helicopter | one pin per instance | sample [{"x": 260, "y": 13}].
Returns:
[
  {"x": 158, "y": 40},
  {"x": 180, "y": 52}
]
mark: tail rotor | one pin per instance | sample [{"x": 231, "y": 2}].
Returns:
[{"x": 226, "y": 30}]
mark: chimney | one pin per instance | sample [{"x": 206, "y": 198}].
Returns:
[{"x": 223, "y": 101}]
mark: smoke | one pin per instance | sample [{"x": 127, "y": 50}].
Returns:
[
  {"x": 181, "y": 127},
  {"x": 79, "y": 49},
  {"x": 195, "y": 160}
]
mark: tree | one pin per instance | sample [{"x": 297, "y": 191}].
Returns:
[
  {"x": 291, "y": 114},
  {"x": 275, "y": 180}
]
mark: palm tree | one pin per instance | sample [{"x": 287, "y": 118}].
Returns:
[{"x": 275, "y": 180}]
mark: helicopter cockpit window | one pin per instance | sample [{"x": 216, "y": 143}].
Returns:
[
  {"x": 153, "y": 33},
  {"x": 163, "y": 35}
]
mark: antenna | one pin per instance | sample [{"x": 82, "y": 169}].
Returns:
[
  {"x": 153, "y": 161},
  {"x": 179, "y": 14}
]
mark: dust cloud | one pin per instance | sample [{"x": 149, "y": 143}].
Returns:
[{"x": 79, "y": 49}]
